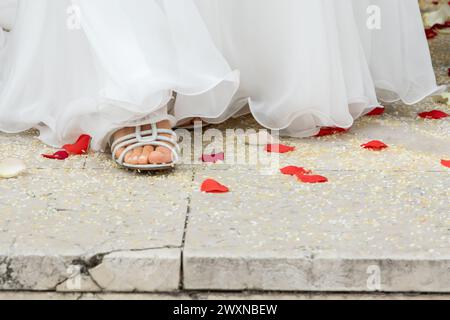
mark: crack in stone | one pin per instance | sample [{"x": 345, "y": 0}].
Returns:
[
  {"x": 89, "y": 263},
  {"x": 8, "y": 277},
  {"x": 79, "y": 297},
  {"x": 55, "y": 288},
  {"x": 186, "y": 224}
]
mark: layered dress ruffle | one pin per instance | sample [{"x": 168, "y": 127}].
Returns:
[
  {"x": 323, "y": 63},
  {"x": 93, "y": 66}
]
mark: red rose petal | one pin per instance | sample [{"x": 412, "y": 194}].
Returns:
[
  {"x": 279, "y": 148},
  {"x": 305, "y": 178},
  {"x": 377, "y": 112},
  {"x": 80, "y": 147},
  {"x": 375, "y": 145},
  {"x": 329, "y": 131},
  {"x": 212, "y": 186},
  {"x": 445, "y": 163},
  {"x": 430, "y": 33},
  {"x": 60, "y": 155},
  {"x": 213, "y": 158},
  {"x": 441, "y": 26},
  {"x": 434, "y": 114},
  {"x": 293, "y": 170}
]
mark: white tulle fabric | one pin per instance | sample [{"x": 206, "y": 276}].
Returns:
[
  {"x": 7, "y": 13},
  {"x": 120, "y": 68},
  {"x": 307, "y": 64},
  {"x": 304, "y": 64}
]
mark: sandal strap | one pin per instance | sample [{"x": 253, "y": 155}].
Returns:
[
  {"x": 134, "y": 143},
  {"x": 141, "y": 138},
  {"x": 135, "y": 140}
]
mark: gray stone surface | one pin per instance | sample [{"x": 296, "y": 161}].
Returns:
[
  {"x": 382, "y": 223},
  {"x": 261, "y": 296},
  {"x": 321, "y": 237},
  {"x": 78, "y": 282},
  {"x": 27, "y": 146},
  {"x": 216, "y": 296},
  {"x": 55, "y": 220},
  {"x": 140, "y": 271},
  {"x": 383, "y": 216}
]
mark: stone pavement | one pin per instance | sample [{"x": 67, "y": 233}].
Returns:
[
  {"x": 381, "y": 223},
  {"x": 200, "y": 296}
]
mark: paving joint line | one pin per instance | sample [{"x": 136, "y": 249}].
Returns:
[{"x": 186, "y": 224}]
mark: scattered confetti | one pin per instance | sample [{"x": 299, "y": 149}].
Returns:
[
  {"x": 212, "y": 186},
  {"x": 60, "y": 155},
  {"x": 375, "y": 145},
  {"x": 279, "y": 148},
  {"x": 11, "y": 168}
]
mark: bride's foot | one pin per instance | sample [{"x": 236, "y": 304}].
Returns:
[{"x": 148, "y": 154}]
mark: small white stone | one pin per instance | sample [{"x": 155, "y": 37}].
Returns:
[{"x": 11, "y": 168}]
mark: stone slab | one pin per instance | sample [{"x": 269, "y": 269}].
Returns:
[
  {"x": 381, "y": 224},
  {"x": 363, "y": 231},
  {"x": 245, "y": 296},
  {"x": 55, "y": 220},
  {"x": 139, "y": 271}
]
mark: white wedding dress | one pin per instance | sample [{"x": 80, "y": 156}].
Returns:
[
  {"x": 7, "y": 13},
  {"x": 308, "y": 64},
  {"x": 304, "y": 64},
  {"x": 93, "y": 66}
]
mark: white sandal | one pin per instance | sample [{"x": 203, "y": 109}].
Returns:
[{"x": 141, "y": 138}]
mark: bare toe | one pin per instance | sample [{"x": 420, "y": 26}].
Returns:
[
  {"x": 160, "y": 156},
  {"x": 156, "y": 157},
  {"x": 119, "y": 134},
  {"x": 119, "y": 152},
  {"x": 144, "y": 158},
  {"x": 128, "y": 156},
  {"x": 148, "y": 154},
  {"x": 135, "y": 154}
]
